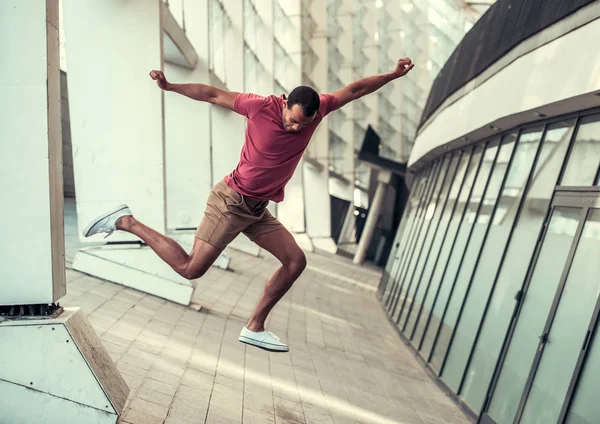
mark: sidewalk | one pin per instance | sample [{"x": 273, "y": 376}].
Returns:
[{"x": 346, "y": 363}]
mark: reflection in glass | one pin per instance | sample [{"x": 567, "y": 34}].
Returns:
[
  {"x": 426, "y": 229},
  {"x": 422, "y": 283},
  {"x": 417, "y": 204},
  {"x": 444, "y": 260},
  {"x": 418, "y": 227},
  {"x": 448, "y": 293},
  {"x": 585, "y": 408},
  {"x": 516, "y": 262},
  {"x": 432, "y": 262},
  {"x": 568, "y": 329},
  {"x": 405, "y": 224},
  {"x": 532, "y": 319},
  {"x": 584, "y": 159}
]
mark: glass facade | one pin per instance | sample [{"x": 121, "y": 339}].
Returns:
[{"x": 494, "y": 279}]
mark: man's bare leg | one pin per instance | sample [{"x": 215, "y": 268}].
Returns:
[
  {"x": 191, "y": 266},
  {"x": 282, "y": 245}
]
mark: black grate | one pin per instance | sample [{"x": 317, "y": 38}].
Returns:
[
  {"x": 506, "y": 24},
  {"x": 29, "y": 311}
]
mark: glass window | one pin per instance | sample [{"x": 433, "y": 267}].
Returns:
[
  {"x": 448, "y": 292},
  {"x": 462, "y": 334},
  {"x": 532, "y": 319},
  {"x": 432, "y": 262},
  {"x": 450, "y": 245},
  {"x": 585, "y": 408},
  {"x": 569, "y": 329},
  {"x": 585, "y": 154},
  {"x": 394, "y": 258},
  {"x": 482, "y": 278},
  {"x": 435, "y": 210},
  {"x": 418, "y": 249},
  {"x": 410, "y": 247},
  {"x": 409, "y": 227},
  {"x": 517, "y": 258}
]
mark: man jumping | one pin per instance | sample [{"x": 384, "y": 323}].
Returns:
[{"x": 277, "y": 133}]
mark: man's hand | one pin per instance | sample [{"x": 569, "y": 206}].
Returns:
[
  {"x": 160, "y": 79},
  {"x": 403, "y": 67}
]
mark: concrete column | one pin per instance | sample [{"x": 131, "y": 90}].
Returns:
[
  {"x": 42, "y": 378},
  {"x": 291, "y": 212},
  {"x": 117, "y": 126},
  {"x": 187, "y": 128},
  {"x": 383, "y": 180},
  {"x": 32, "y": 268},
  {"x": 316, "y": 178}
]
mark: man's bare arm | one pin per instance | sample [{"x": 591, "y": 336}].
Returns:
[
  {"x": 200, "y": 92},
  {"x": 368, "y": 85}
]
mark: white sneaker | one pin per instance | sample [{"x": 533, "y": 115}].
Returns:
[
  {"x": 264, "y": 340},
  {"x": 106, "y": 223}
]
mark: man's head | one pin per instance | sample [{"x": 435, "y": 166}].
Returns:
[{"x": 300, "y": 108}]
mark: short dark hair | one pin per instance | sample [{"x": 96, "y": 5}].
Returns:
[{"x": 306, "y": 97}]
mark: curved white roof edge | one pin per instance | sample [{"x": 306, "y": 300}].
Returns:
[{"x": 558, "y": 77}]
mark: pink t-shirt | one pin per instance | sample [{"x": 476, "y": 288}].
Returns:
[{"x": 270, "y": 154}]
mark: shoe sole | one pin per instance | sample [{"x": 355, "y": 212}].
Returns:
[
  {"x": 260, "y": 346},
  {"x": 87, "y": 229}
]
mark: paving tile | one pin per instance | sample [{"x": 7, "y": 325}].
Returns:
[
  {"x": 154, "y": 396},
  {"x": 149, "y": 408},
  {"x": 137, "y": 417}
]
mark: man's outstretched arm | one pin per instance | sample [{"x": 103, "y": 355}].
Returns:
[
  {"x": 367, "y": 85},
  {"x": 200, "y": 92}
]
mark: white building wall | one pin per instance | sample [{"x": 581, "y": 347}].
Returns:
[{"x": 116, "y": 109}]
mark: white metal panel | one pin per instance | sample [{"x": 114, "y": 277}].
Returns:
[
  {"x": 45, "y": 358},
  {"x": 20, "y": 405}
]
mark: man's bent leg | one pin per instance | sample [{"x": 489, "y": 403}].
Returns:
[
  {"x": 283, "y": 246},
  {"x": 191, "y": 266}
]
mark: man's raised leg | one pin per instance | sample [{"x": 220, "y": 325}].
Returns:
[{"x": 191, "y": 266}]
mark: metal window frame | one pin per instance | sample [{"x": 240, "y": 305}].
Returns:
[
  {"x": 408, "y": 242},
  {"x": 531, "y": 267},
  {"x": 583, "y": 355},
  {"x": 526, "y": 188},
  {"x": 451, "y": 251},
  {"x": 458, "y": 155},
  {"x": 414, "y": 241},
  {"x": 464, "y": 252},
  {"x": 501, "y": 142},
  {"x": 441, "y": 207},
  {"x": 405, "y": 241},
  {"x": 445, "y": 163},
  {"x": 518, "y": 305},
  {"x": 568, "y": 201},
  {"x": 437, "y": 256},
  {"x": 429, "y": 227},
  {"x": 383, "y": 283},
  {"x": 442, "y": 244}
]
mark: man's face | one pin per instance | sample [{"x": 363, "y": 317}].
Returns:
[{"x": 293, "y": 119}]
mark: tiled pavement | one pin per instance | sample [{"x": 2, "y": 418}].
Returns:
[{"x": 346, "y": 363}]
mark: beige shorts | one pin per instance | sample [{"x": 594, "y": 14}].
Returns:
[{"x": 229, "y": 213}]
